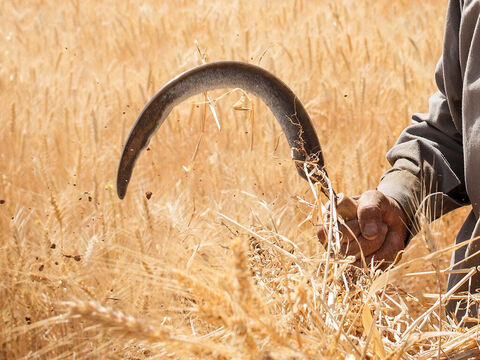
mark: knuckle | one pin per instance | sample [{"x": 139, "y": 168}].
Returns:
[
  {"x": 369, "y": 208},
  {"x": 370, "y": 193},
  {"x": 373, "y": 197},
  {"x": 369, "y": 212}
]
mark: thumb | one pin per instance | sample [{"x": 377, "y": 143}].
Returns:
[{"x": 371, "y": 209}]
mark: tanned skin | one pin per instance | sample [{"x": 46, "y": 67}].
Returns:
[{"x": 379, "y": 230}]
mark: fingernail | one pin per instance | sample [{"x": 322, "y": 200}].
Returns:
[{"x": 370, "y": 229}]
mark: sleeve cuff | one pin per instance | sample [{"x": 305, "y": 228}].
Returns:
[{"x": 402, "y": 186}]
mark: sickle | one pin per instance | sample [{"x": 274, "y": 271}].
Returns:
[{"x": 283, "y": 103}]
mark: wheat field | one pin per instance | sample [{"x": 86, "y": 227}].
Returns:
[{"x": 220, "y": 260}]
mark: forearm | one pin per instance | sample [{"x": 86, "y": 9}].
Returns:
[{"x": 427, "y": 175}]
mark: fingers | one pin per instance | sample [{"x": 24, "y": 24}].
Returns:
[
  {"x": 377, "y": 235},
  {"x": 347, "y": 207},
  {"x": 386, "y": 254},
  {"x": 359, "y": 245},
  {"x": 352, "y": 243},
  {"x": 348, "y": 231},
  {"x": 372, "y": 206}
]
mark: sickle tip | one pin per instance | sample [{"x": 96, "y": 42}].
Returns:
[
  {"x": 121, "y": 187},
  {"x": 120, "y": 193}
]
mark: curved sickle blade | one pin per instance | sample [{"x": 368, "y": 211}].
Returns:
[{"x": 283, "y": 103}]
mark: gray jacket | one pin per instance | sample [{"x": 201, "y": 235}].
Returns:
[{"x": 436, "y": 160}]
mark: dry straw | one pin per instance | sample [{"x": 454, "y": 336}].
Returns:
[{"x": 222, "y": 261}]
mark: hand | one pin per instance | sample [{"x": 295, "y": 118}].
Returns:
[{"x": 379, "y": 231}]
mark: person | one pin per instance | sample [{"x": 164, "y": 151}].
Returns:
[{"x": 435, "y": 164}]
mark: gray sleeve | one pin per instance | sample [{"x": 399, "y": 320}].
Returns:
[{"x": 427, "y": 160}]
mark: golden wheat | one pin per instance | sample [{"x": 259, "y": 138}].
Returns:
[{"x": 213, "y": 252}]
